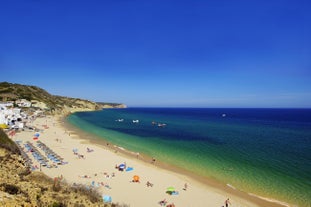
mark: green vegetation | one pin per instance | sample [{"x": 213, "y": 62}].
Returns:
[
  {"x": 7, "y": 143},
  {"x": 12, "y": 92},
  {"x": 10, "y": 188}
]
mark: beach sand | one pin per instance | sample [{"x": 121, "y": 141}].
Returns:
[{"x": 99, "y": 167}]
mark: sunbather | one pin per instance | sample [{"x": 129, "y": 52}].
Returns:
[
  {"x": 149, "y": 184},
  {"x": 84, "y": 176},
  {"x": 89, "y": 150},
  {"x": 163, "y": 202}
]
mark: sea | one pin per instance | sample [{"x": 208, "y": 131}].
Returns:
[{"x": 263, "y": 152}]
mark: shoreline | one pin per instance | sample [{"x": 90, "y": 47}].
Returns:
[
  {"x": 201, "y": 186},
  {"x": 261, "y": 201}
]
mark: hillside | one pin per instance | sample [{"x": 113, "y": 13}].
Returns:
[{"x": 54, "y": 103}]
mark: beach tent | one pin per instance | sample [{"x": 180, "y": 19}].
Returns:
[
  {"x": 135, "y": 178},
  {"x": 121, "y": 167},
  {"x": 107, "y": 199}
]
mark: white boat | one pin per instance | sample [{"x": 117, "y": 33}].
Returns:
[
  {"x": 136, "y": 121},
  {"x": 161, "y": 125},
  {"x": 120, "y": 120}
]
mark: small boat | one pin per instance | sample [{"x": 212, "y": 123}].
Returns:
[
  {"x": 161, "y": 125},
  {"x": 120, "y": 120},
  {"x": 224, "y": 115},
  {"x": 136, "y": 121}
]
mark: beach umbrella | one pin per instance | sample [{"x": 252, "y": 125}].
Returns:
[
  {"x": 107, "y": 199},
  {"x": 37, "y": 134},
  {"x": 136, "y": 178},
  {"x": 170, "y": 189},
  {"x": 75, "y": 150}
]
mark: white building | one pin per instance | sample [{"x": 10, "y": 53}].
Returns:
[
  {"x": 3, "y": 113},
  {"x": 11, "y": 116}
]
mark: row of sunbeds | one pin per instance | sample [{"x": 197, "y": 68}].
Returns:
[
  {"x": 43, "y": 160},
  {"x": 37, "y": 155},
  {"x": 53, "y": 156}
]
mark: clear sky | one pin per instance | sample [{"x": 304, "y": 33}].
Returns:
[{"x": 234, "y": 53}]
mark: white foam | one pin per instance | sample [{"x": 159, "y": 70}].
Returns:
[
  {"x": 271, "y": 200},
  {"x": 231, "y": 186}
]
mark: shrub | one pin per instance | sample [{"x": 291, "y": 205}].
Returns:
[
  {"x": 58, "y": 204},
  {"x": 91, "y": 194},
  {"x": 11, "y": 189}
]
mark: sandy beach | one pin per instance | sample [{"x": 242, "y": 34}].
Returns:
[{"x": 94, "y": 165}]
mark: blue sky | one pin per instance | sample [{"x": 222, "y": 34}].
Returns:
[{"x": 252, "y": 53}]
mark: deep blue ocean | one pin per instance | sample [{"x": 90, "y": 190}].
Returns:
[{"x": 266, "y": 152}]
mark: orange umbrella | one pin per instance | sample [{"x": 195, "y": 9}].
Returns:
[{"x": 136, "y": 178}]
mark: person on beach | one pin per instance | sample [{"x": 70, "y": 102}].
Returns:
[
  {"x": 185, "y": 186},
  {"x": 84, "y": 176},
  {"x": 89, "y": 150},
  {"x": 153, "y": 160},
  {"x": 227, "y": 202},
  {"x": 149, "y": 184},
  {"x": 163, "y": 202}
]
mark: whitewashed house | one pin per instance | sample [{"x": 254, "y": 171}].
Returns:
[{"x": 2, "y": 115}]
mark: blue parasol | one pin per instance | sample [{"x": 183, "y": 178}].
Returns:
[{"x": 107, "y": 199}]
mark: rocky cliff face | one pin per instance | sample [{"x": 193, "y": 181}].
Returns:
[
  {"x": 75, "y": 105},
  {"x": 107, "y": 106}
]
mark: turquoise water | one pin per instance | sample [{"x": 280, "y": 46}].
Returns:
[{"x": 261, "y": 151}]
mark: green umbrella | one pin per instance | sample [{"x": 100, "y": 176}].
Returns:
[{"x": 170, "y": 189}]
